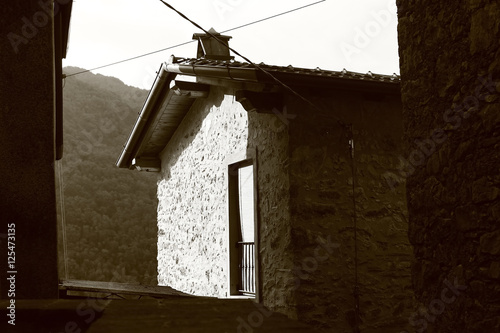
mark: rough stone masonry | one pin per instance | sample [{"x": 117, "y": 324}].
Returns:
[{"x": 450, "y": 69}]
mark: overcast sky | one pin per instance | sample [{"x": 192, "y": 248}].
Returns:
[{"x": 359, "y": 35}]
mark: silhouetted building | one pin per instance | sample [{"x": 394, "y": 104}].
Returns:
[
  {"x": 450, "y": 72},
  {"x": 34, "y": 39}
]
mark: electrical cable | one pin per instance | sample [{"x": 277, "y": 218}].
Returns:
[
  {"x": 251, "y": 62},
  {"x": 355, "y": 224},
  {"x": 129, "y": 59},
  {"x": 191, "y": 41},
  {"x": 273, "y": 16}
]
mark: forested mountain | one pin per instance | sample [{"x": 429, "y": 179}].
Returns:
[{"x": 109, "y": 214}]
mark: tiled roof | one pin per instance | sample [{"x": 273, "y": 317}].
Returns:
[{"x": 344, "y": 74}]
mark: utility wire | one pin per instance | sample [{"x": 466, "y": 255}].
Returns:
[
  {"x": 274, "y": 78},
  {"x": 355, "y": 223},
  {"x": 270, "y": 17},
  {"x": 128, "y": 59},
  {"x": 191, "y": 41}
]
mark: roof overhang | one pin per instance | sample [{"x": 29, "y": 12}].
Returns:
[
  {"x": 207, "y": 70},
  {"x": 167, "y": 103}
]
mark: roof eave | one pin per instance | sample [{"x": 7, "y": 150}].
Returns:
[
  {"x": 327, "y": 82},
  {"x": 252, "y": 74},
  {"x": 134, "y": 140},
  {"x": 224, "y": 72},
  {"x": 249, "y": 74}
]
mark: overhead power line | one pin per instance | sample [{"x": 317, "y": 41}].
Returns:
[
  {"x": 129, "y": 59},
  {"x": 191, "y": 41},
  {"x": 274, "y": 78},
  {"x": 273, "y": 16}
]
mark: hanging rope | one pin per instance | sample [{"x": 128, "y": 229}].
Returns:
[
  {"x": 63, "y": 218},
  {"x": 355, "y": 223}
]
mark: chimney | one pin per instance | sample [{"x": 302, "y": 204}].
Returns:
[{"x": 210, "y": 48}]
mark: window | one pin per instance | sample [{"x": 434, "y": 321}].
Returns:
[{"x": 243, "y": 231}]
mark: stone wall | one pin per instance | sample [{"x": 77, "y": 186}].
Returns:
[
  {"x": 321, "y": 203},
  {"x": 192, "y": 205},
  {"x": 269, "y": 135},
  {"x": 192, "y": 209},
  {"x": 450, "y": 66},
  {"x": 306, "y": 246}
]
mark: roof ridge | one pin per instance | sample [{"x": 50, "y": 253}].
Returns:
[{"x": 369, "y": 76}]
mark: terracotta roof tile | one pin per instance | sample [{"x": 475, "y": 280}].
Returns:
[{"x": 291, "y": 69}]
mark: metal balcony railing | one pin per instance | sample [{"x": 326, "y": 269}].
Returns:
[{"x": 247, "y": 267}]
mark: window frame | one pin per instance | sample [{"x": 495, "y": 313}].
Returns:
[{"x": 233, "y": 163}]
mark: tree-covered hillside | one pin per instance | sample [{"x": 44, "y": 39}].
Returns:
[{"x": 109, "y": 213}]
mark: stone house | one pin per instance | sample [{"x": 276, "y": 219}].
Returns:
[{"x": 270, "y": 186}]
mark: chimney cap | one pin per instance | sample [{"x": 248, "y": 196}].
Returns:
[
  {"x": 213, "y": 32},
  {"x": 211, "y": 48}
]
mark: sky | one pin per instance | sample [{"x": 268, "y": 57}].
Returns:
[{"x": 358, "y": 35}]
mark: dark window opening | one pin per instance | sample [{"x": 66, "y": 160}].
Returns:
[{"x": 242, "y": 230}]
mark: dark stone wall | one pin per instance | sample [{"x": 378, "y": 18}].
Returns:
[
  {"x": 450, "y": 68},
  {"x": 322, "y": 210},
  {"x": 269, "y": 137},
  {"x": 27, "y": 195}
]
